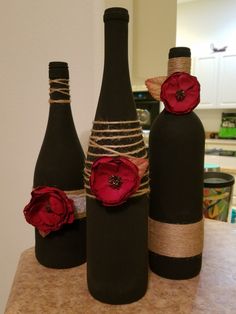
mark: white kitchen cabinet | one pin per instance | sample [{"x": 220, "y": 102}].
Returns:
[
  {"x": 206, "y": 71},
  {"x": 227, "y": 79},
  {"x": 217, "y": 76}
]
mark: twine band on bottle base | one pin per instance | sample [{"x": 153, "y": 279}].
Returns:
[
  {"x": 79, "y": 199},
  {"x": 176, "y": 240},
  {"x": 64, "y": 90},
  {"x": 116, "y": 138}
]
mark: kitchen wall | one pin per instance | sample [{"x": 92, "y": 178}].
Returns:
[
  {"x": 154, "y": 33},
  {"x": 211, "y": 119},
  {"x": 201, "y": 23}
]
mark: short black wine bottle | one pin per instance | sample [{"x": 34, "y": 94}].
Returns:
[
  {"x": 176, "y": 148},
  {"x": 117, "y": 203},
  {"x": 60, "y": 165}
]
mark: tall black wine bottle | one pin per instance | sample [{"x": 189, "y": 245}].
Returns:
[
  {"x": 60, "y": 164},
  {"x": 176, "y": 148},
  {"x": 117, "y": 212}
]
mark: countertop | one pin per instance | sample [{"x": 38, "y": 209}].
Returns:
[
  {"x": 221, "y": 141},
  {"x": 37, "y": 289}
]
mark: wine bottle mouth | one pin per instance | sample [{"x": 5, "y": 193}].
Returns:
[
  {"x": 116, "y": 13},
  {"x": 58, "y": 70},
  {"x": 177, "y": 52},
  {"x": 58, "y": 64}
]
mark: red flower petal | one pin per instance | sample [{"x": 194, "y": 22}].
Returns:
[
  {"x": 185, "y": 82},
  {"x": 187, "y": 85},
  {"x": 106, "y": 167},
  {"x": 49, "y": 209}
]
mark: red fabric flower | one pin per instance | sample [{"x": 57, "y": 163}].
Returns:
[
  {"x": 49, "y": 209},
  {"x": 180, "y": 93},
  {"x": 114, "y": 179}
]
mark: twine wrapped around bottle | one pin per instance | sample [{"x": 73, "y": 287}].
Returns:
[
  {"x": 175, "y": 240},
  {"x": 181, "y": 64},
  {"x": 63, "y": 89},
  {"x": 116, "y": 138}
]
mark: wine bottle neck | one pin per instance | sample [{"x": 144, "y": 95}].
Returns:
[
  {"x": 116, "y": 94},
  {"x": 116, "y": 47},
  {"x": 179, "y": 60},
  {"x": 59, "y": 91},
  {"x": 179, "y": 64},
  {"x": 60, "y": 115}
]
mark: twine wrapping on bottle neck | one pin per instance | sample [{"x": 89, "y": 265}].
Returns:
[
  {"x": 63, "y": 90},
  {"x": 180, "y": 64},
  {"x": 175, "y": 240},
  {"x": 116, "y": 138}
]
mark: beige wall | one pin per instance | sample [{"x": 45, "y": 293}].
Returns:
[
  {"x": 154, "y": 34},
  {"x": 32, "y": 34}
]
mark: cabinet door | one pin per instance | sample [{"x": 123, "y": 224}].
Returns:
[
  {"x": 205, "y": 70},
  {"x": 227, "y": 81}
]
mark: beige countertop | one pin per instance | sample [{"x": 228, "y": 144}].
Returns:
[
  {"x": 229, "y": 170},
  {"x": 39, "y": 290}
]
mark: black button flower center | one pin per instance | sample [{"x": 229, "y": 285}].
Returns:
[
  {"x": 180, "y": 95},
  {"x": 48, "y": 208},
  {"x": 115, "y": 181}
]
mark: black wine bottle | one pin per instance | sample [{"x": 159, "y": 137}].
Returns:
[
  {"x": 117, "y": 253},
  {"x": 60, "y": 164},
  {"x": 176, "y": 148}
]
